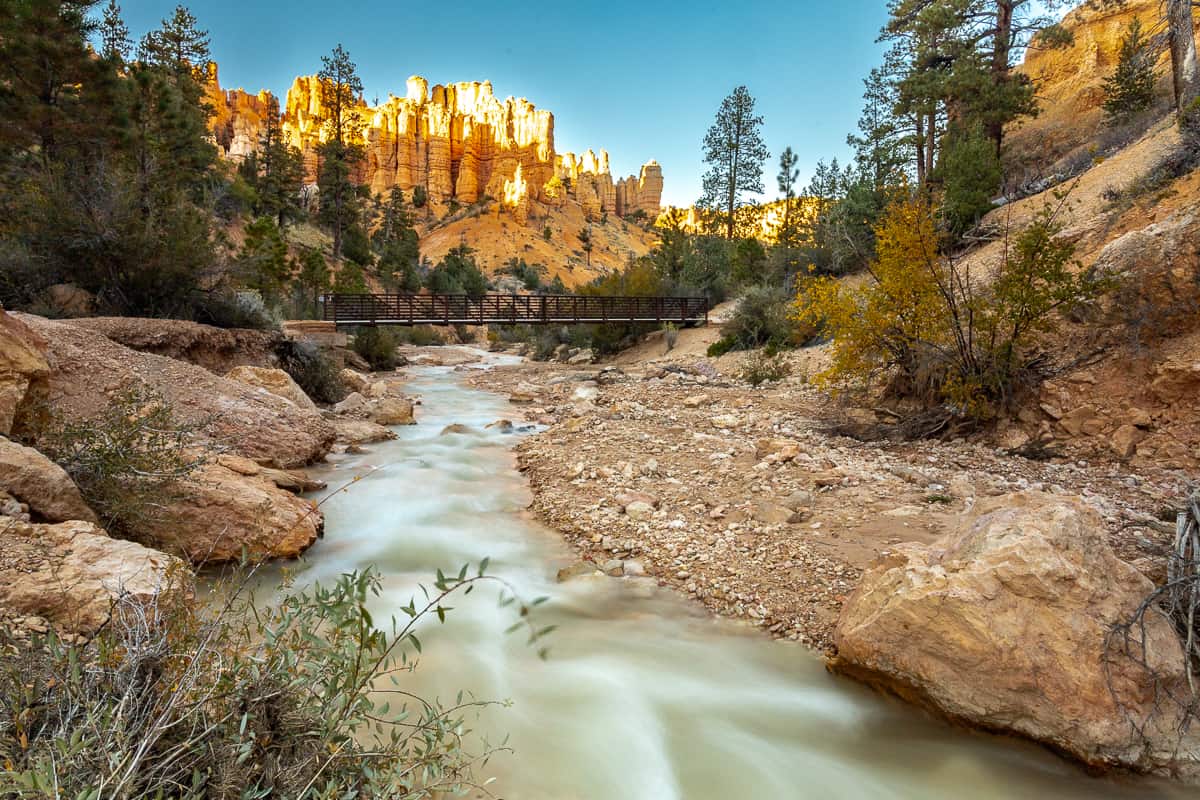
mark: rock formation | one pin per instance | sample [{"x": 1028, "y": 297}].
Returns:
[
  {"x": 1004, "y": 624},
  {"x": 460, "y": 142},
  {"x": 1070, "y": 80},
  {"x": 70, "y": 574},
  {"x": 87, "y": 369},
  {"x": 43, "y": 486},
  {"x": 238, "y": 117}
]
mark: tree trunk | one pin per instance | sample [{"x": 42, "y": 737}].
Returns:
[
  {"x": 1185, "y": 78},
  {"x": 1001, "y": 51},
  {"x": 930, "y": 143},
  {"x": 919, "y": 139}
]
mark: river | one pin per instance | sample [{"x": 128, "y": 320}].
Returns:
[{"x": 643, "y": 696}]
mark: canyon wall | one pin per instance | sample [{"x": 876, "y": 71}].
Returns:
[{"x": 459, "y": 141}]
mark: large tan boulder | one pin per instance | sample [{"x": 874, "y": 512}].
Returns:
[
  {"x": 41, "y": 484},
  {"x": 275, "y": 381},
  {"x": 88, "y": 370},
  {"x": 22, "y": 359},
  {"x": 219, "y": 513},
  {"x": 71, "y": 573},
  {"x": 360, "y": 431},
  {"x": 1004, "y": 624},
  {"x": 391, "y": 411}
]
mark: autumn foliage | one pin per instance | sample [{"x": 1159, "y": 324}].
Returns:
[{"x": 937, "y": 329}]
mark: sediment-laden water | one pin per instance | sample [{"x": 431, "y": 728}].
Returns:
[{"x": 643, "y": 696}]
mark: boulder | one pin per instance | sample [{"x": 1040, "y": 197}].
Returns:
[
  {"x": 88, "y": 369},
  {"x": 354, "y": 381},
  {"x": 583, "y": 569},
  {"x": 1004, "y": 624},
  {"x": 352, "y": 405},
  {"x": 22, "y": 359},
  {"x": 71, "y": 573},
  {"x": 456, "y": 427},
  {"x": 360, "y": 431},
  {"x": 776, "y": 449},
  {"x": 40, "y": 484},
  {"x": 582, "y": 357},
  {"x": 217, "y": 513},
  {"x": 275, "y": 381},
  {"x": 391, "y": 411}
]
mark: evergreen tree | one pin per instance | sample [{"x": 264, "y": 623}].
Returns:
[
  {"x": 350, "y": 279},
  {"x": 458, "y": 273},
  {"x": 312, "y": 280},
  {"x": 788, "y": 235},
  {"x": 340, "y": 154},
  {"x": 264, "y": 259},
  {"x": 879, "y": 144},
  {"x": 1130, "y": 89},
  {"x": 178, "y": 45},
  {"x": 398, "y": 245},
  {"x": 970, "y": 175},
  {"x": 115, "y": 43},
  {"x": 276, "y": 171},
  {"x": 735, "y": 152},
  {"x": 585, "y": 241}
]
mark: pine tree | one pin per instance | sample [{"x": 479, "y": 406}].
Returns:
[
  {"x": 278, "y": 174},
  {"x": 115, "y": 43},
  {"x": 1130, "y": 89},
  {"x": 788, "y": 235},
  {"x": 178, "y": 45},
  {"x": 313, "y": 279},
  {"x": 264, "y": 261},
  {"x": 878, "y": 146},
  {"x": 341, "y": 153},
  {"x": 735, "y": 152},
  {"x": 585, "y": 241}
]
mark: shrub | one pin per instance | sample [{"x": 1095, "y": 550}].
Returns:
[
  {"x": 377, "y": 346},
  {"x": 127, "y": 460},
  {"x": 670, "y": 335},
  {"x": 235, "y": 310},
  {"x": 301, "y": 698},
  {"x": 418, "y": 336},
  {"x": 312, "y": 370},
  {"x": 945, "y": 337},
  {"x": 763, "y": 317},
  {"x": 764, "y": 366}
]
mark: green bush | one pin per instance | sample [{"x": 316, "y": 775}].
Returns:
[
  {"x": 762, "y": 318},
  {"x": 377, "y": 346},
  {"x": 127, "y": 461},
  {"x": 764, "y": 366},
  {"x": 312, "y": 370},
  {"x": 418, "y": 336},
  {"x": 235, "y": 700}
]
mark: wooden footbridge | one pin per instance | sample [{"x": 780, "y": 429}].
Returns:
[{"x": 509, "y": 309}]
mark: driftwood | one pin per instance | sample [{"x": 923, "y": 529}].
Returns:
[{"x": 1179, "y": 599}]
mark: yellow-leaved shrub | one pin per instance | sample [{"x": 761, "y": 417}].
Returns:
[{"x": 934, "y": 329}]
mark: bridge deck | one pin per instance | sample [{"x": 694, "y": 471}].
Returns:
[{"x": 509, "y": 309}]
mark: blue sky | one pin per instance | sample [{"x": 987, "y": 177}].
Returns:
[{"x": 640, "y": 79}]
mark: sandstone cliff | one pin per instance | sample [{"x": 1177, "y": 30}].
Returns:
[
  {"x": 459, "y": 141},
  {"x": 1070, "y": 80}
]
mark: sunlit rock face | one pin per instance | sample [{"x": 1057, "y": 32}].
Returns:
[
  {"x": 459, "y": 141},
  {"x": 238, "y": 116}
]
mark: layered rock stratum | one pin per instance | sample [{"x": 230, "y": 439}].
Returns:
[{"x": 459, "y": 141}]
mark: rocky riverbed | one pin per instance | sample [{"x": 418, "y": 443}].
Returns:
[{"x": 741, "y": 498}]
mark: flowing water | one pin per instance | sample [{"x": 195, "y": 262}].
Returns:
[{"x": 643, "y": 696}]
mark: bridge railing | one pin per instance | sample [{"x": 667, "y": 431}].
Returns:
[{"x": 492, "y": 309}]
